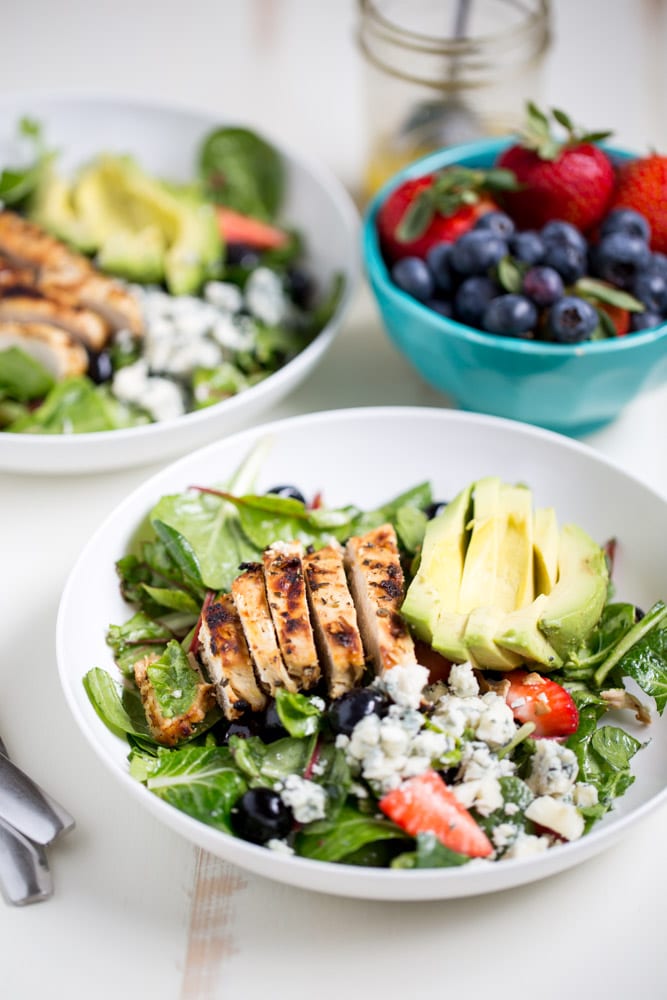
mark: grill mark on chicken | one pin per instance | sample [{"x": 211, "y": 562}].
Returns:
[
  {"x": 286, "y": 594},
  {"x": 251, "y": 603},
  {"x": 67, "y": 276},
  {"x": 29, "y": 305},
  {"x": 169, "y": 732},
  {"x": 334, "y": 620},
  {"x": 377, "y": 585},
  {"x": 226, "y": 657}
]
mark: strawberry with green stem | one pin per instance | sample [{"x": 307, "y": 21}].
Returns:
[
  {"x": 437, "y": 208},
  {"x": 566, "y": 177}
]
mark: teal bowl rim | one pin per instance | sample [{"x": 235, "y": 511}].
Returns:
[{"x": 376, "y": 268}]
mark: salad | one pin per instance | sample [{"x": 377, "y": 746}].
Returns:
[
  {"x": 127, "y": 298},
  {"x": 276, "y": 679}
]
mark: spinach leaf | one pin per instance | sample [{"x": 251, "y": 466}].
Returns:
[
  {"x": 212, "y": 385},
  {"x": 182, "y": 553},
  {"x": 140, "y": 636},
  {"x": 22, "y": 377},
  {"x": 430, "y": 853},
  {"x": 298, "y": 714},
  {"x": 175, "y": 683},
  {"x": 515, "y": 792},
  {"x": 242, "y": 170},
  {"x": 76, "y": 406},
  {"x": 333, "y": 840},
  {"x": 120, "y": 709},
  {"x": 604, "y": 756},
  {"x": 18, "y": 183},
  {"x": 646, "y": 662},
  {"x": 176, "y": 600},
  {"x": 410, "y": 527},
  {"x": 200, "y": 781},
  {"x": 264, "y": 764},
  {"x": 332, "y": 771},
  {"x": 616, "y": 620}
]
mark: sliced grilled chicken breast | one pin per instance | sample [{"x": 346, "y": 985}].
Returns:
[
  {"x": 28, "y": 306},
  {"x": 252, "y": 606},
  {"x": 180, "y": 727},
  {"x": 334, "y": 620},
  {"x": 70, "y": 277},
  {"x": 377, "y": 585},
  {"x": 12, "y": 276},
  {"x": 226, "y": 657},
  {"x": 59, "y": 352},
  {"x": 286, "y": 594}
]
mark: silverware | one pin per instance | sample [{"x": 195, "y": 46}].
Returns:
[
  {"x": 24, "y": 871},
  {"x": 26, "y": 807}
]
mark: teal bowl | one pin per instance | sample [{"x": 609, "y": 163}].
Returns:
[{"x": 572, "y": 389}]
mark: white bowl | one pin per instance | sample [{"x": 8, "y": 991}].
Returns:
[
  {"x": 165, "y": 140},
  {"x": 366, "y": 456}
]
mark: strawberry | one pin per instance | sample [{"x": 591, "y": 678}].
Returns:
[
  {"x": 237, "y": 228},
  {"x": 642, "y": 184},
  {"x": 534, "y": 698},
  {"x": 436, "y": 208},
  {"x": 438, "y": 667},
  {"x": 572, "y": 179},
  {"x": 424, "y": 804}
]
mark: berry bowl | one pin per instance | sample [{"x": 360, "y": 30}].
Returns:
[{"x": 572, "y": 388}]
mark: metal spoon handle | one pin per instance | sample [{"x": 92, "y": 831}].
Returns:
[
  {"x": 24, "y": 871},
  {"x": 26, "y": 807}
]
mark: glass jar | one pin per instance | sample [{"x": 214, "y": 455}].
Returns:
[{"x": 442, "y": 72}]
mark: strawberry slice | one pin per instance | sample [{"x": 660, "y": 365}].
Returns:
[
  {"x": 534, "y": 698},
  {"x": 237, "y": 228},
  {"x": 424, "y": 804}
]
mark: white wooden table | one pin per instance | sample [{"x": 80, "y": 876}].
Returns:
[{"x": 138, "y": 912}]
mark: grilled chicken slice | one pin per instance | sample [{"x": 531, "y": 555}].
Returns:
[
  {"x": 25, "y": 305},
  {"x": 334, "y": 620},
  {"x": 171, "y": 731},
  {"x": 59, "y": 352},
  {"x": 12, "y": 276},
  {"x": 286, "y": 594},
  {"x": 252, "y": 606},
  {"x": 225, "y": 655},
  {"x": 70, "y": 277},
  {"x": 377, "y": 585}
]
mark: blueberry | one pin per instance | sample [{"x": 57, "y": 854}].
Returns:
[
  {"x": 438, "y": 261},
  {"x": 572, "y": 320},
  {"x": 497, "y": 223},
  {"x": 100, "y": 368},
  {"x": 435, "y": 508},
  {"x": 570, "y": 261},
  {"x": 260, "y": 815},
  {"x": 542, "y": 285},
  {"x": 626, "y": 220},
  {"x": 619, "y": 258},
  {"x": 270, "y": 727},
  {"x": 645, "y": 321},
  {"x": 527, "y": 247},
  {"x": 650, "y": 287},
  {"x": 472, "y": 298},
  {"x": 441, "y": 306},
  {"x": 412, "y": 275},
  {"x": 351, "y": 708},
  {"x": 657, "y": 263},
  {"x": 510, "y": 315},
  {"x": 241, "y": 255},
  {"x": 559, "y": 233},
  {"x": 288, "y": 492},
  {"x": 477, "y": 251},
  {"x": 300, "y": 286}
]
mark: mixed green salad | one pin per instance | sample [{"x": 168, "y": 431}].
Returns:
[
  {"x": 433, "y": 763},
  {"x": 152, "y": 299}
]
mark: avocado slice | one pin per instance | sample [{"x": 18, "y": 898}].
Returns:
[
  {"x": 519, "y": 632},
  {"x": 545, "y": 545},
  {"x": 51, "y": 207},
  {"x": 134, "y": 256},
  {"x": 479, "y": 639},
  {"x": 435, "y": 586},
  {"x": 121, "y": 203},
  {"x": 575, "y": 604},
  {"x": 515, "y": 577},
  {"x": 480, "y": 567}
]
